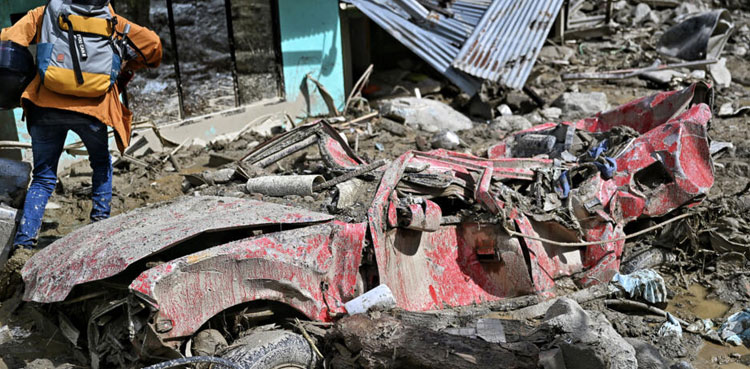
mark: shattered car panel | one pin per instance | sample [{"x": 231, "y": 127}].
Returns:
[
  {"x": 104, "y": 249},
  {"x": 667, "y": 166},
  {"x": 288, "y": 266}
]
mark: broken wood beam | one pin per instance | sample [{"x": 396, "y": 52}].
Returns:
[{"x": 382, "y": 341}]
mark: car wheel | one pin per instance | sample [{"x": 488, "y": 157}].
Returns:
[{"x": 271, "y": 350}]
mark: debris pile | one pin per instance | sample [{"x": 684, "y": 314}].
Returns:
[{"x": 599, "y": 223}]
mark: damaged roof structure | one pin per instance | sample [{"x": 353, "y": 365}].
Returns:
[{"x": 470, "y": 40}]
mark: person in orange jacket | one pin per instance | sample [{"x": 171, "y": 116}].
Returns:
[{"x": 51, "y": 115}]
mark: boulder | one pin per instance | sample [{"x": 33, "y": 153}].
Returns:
[
  {"x": 721, "y": 74},
  {"x": 587, "y": 339},
  {"x": 581, "y": 104},
  {"x": 428, "y": 115},
  {"x": 445, "y": 140},
  {"x": 519, "y": 102},
  {"x": 641, "y": 13},
  {"x": 648, "y": 355},
  {"x": 208, "y": 342},
  {"x": 551, "y": 113},
  {"x": 510, "y": 123}
]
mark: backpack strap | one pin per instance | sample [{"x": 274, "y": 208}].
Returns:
[
  {"x": 73, "y": 49},
  {"x": 41, "y": 24},
  {"x": 137, "y": 50}
]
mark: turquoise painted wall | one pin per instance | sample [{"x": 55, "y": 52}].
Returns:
[{"x": 311, "y": 43}]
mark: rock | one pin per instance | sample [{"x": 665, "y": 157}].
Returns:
[
  {"x": 551, "y": 113},
  {"x": 648, "y": 355},
  {"x": 428, "y": 115},
  {"x": 8, "y": 218},
  {"x": 556, "y": 53},
  {"x": 479, "y": 109},
  {"x": 81, "y": 169},
  {"x": 519, "y": 102},
  {"x": 10, "y": 273},
  {"x": 620, "y": 5},
  {"x": 721, "y": 74},
  {"x": 504, "y": 110},
  {"x": 699, "y": 74},
  {"x": 219, "y": 176},
  {"x": 552, "y": 359},
  {"x": 739, "y": 50},
  {"x": 198, "y": 142},
  {"x": 641, "y": 13},
  {"x": 681, "y": 365},
  {"x": 40, "y": 364},
  {"x": 653, "y": 18},
  {"x": 422, "y": 143},
  {"x": 394, "y": 128},
  {"x": 5, "y": 335},
  {"x": 445, "y": 140},
  {"x": 581, "y": 104},
  {"x": 534, "y": 118},
  {"x": 726, "y": 109},
  {"x": 685, "y": 8},
  {"x": 510, "y": 124},
  {"x": 208, "y": 342},
  {"x": 587, "y": 339},
  {"x": 663, "y": 77}
]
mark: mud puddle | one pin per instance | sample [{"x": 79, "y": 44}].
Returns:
[
  {"x": 695, "y": 302},
  {"x": 712, "y": 355}
]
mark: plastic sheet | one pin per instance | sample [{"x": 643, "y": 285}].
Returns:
[{"x": 645, "y": 284}]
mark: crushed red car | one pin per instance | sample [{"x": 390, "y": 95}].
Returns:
[{"x": 442, "y": 229}]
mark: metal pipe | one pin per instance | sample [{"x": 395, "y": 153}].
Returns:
[
  {"x": 289, "y": 150},
  {"x": 173, "y": 39},
  {"x": 232, "y": 54}
]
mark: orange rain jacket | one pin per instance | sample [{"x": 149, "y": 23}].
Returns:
[{"x": 106, "y": 108}]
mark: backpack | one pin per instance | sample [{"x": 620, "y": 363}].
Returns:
[{"x": 79, "y": 52}]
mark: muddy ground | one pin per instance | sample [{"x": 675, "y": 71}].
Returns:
[{"x": 702, "y": 283}]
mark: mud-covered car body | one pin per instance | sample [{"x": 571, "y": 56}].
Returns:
[{"x": 441, "y": 231}]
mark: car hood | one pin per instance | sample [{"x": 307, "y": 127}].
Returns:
[{"x": 106, "y": 248}]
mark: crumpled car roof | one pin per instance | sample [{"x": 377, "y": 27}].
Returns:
[{"x": 108, "y": 247}]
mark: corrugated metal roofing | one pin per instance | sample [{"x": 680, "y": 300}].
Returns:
[
  {"x": 466, "y": 40},
  {"x": 433, "y": 48},
  {"x": 506, "y": 42}
]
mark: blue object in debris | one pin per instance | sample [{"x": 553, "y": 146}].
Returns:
[
  {"x": 671, "y": 327},
  {"x": 645, "y": 284},
  {"x": 599, "y": 149},
  {"x": 563, "y": 185},
  {"x": 737, "y": 328},
  {"x": 608, "y": 168}
]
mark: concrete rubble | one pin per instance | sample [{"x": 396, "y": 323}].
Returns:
[
  {"x": 587, "y": 339},
  {"x": 425, "y": 114},
  {"x": 579, "y": 105},
  {"x": 584, "y": 223}
]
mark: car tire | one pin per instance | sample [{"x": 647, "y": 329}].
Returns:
[{"x": 271, "y": 350}]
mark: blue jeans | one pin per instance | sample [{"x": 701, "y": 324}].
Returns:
[{"x": 47, "y": 142}]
